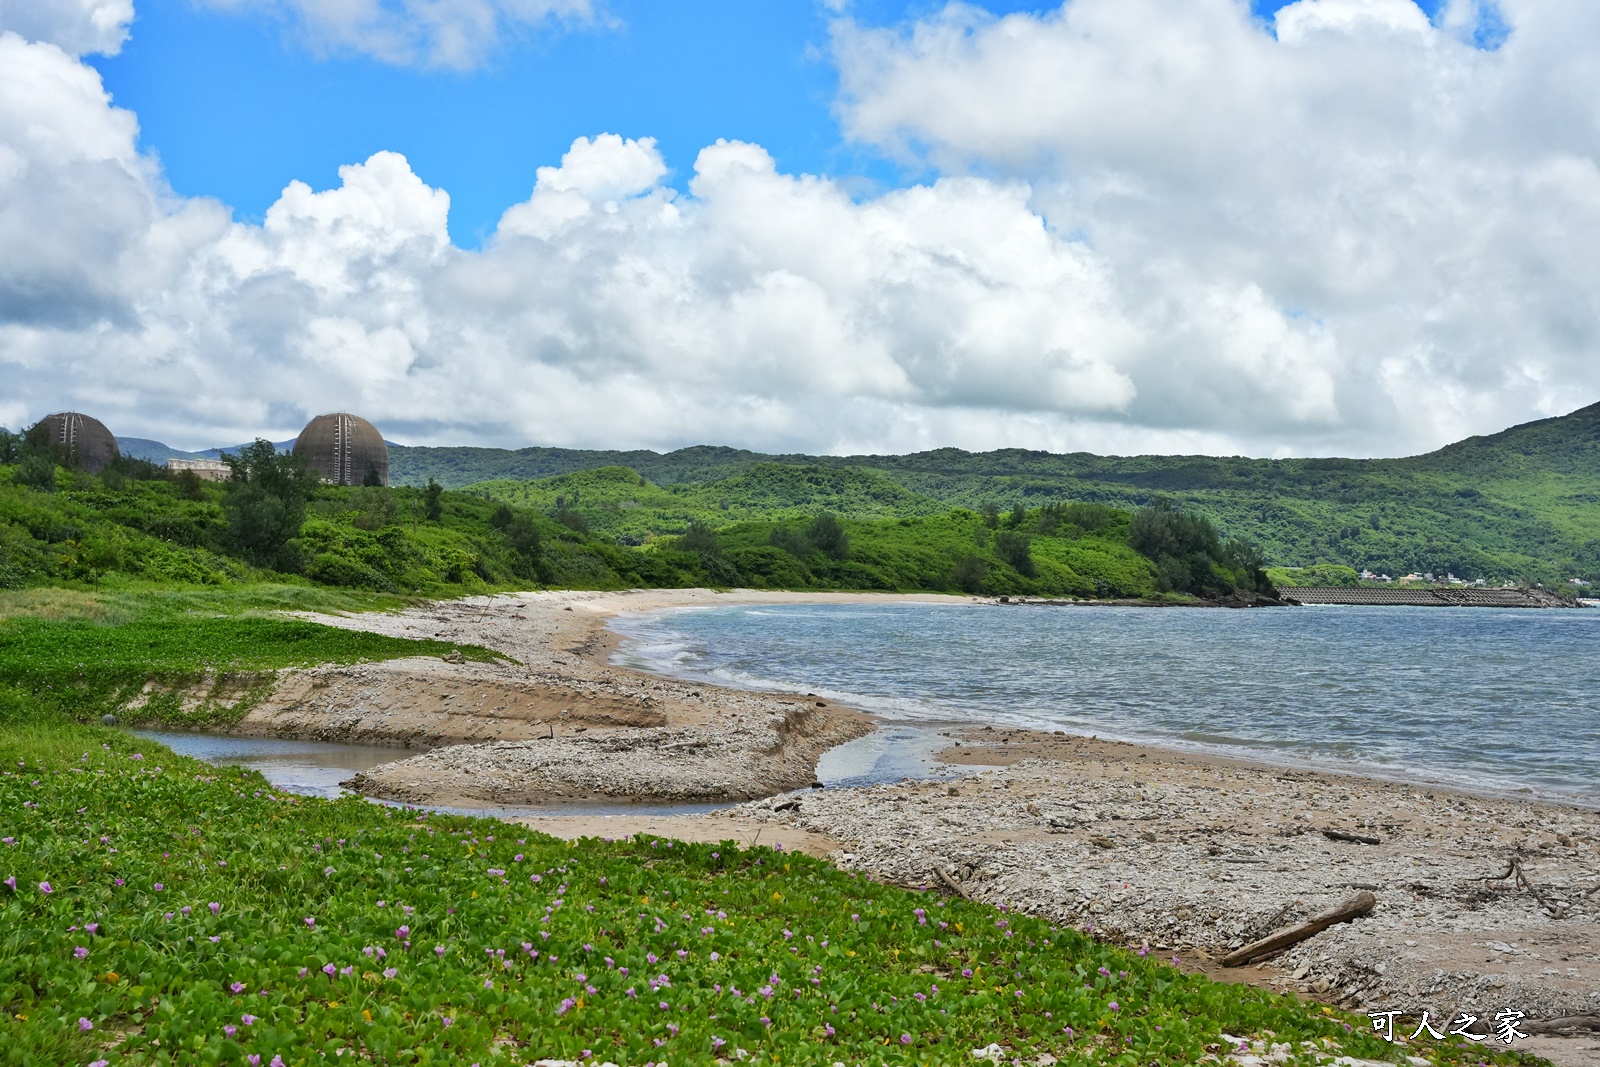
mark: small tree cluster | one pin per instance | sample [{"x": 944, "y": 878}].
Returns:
[
  {"x": 1191, "y": 557},
  {"x": 265, "y": 503},
  {"x": 825, "y": 534}
]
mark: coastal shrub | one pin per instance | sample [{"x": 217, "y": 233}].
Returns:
[
  {"x": 523, "y": 536},
  {"x": 372, "y": 507},
  {"x": 159, "y": 910},
  {"x": 376, "y": 538},
  {"x": 769, "y": 567},
  {"x": 330, "y": 568},
  {"x": 789, "y": 539},
  {"x": 1091, "y": 518},
  {"x": 1325, "y": 574},
  {"x": 1189, "y": 555}
]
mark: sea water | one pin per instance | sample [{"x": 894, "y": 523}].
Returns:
[{"x": 1501, "y": 701}]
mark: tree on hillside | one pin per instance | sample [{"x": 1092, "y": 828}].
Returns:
[
  {"x": 701, "y": 540},
  {"x": 791, "y": 541},
  {"x": 528, "y": 546},
  {"x": 572, "y": 520},
  {"x": 434, "y": 508},
  {"x": 1091, "y": 518},
  {"x": 265, "y": 503},
  {"x": 969, "y": 573},
  {"x": 826, "y": 535},
  {"x": 37, "y": 471},
  {"x": 1018, "y": 516},
  {"x": 1248, "y": 565},
  {"x": 1015, "y": 549},
  {"x": 991, "y": 514}
]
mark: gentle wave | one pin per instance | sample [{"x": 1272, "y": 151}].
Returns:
[{"x": 1500, "y": 701}]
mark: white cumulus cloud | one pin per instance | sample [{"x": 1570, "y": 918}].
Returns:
[
  {"x": 75, "y": 26},
  {"x": 432, "y": 33},
  {"x": 1156, "y": 227},
  {"x": 1350, "y": 229}
]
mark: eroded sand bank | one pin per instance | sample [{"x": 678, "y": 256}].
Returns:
[{"x": 560, "y": 723}]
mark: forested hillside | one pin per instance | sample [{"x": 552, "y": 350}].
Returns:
[
  {"x": 137, "y": 525},
  {"x": 1519, "y": 505}
]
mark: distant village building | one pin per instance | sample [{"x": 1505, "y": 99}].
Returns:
[
  {"x": 344, "y": 449},
  {"x": 207, "y": 470}
]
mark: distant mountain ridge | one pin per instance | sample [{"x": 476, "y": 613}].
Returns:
[{"x": 156, "y": 452}]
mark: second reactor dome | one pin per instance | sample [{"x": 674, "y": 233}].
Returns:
[
  {"x": 83, "y": 441},
  {"x": 344, "y": 449}
]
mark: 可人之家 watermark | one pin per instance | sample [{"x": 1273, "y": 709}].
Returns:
[{"x": 1465, "y": 1024}]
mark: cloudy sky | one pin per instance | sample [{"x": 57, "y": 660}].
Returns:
[{"x": 1360, "y": 227}]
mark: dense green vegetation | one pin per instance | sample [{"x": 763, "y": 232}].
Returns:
[
  {"x": 136, "y": 523},
  {"x": 621, "y": 503},
  {"x": 156, "y": 910},
  {"x": 1523, "y": 504}
]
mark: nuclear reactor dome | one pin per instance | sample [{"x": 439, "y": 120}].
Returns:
[
  {"x": 342, "y": 448},
  {"x": 84, "y": 441}
]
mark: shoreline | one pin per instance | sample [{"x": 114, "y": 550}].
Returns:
[{"x": 1190, "y": 854}]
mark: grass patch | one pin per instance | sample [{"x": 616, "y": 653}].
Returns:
[
  {"x": 194, "y": 915},
  {"x": 181, "y": 658}
]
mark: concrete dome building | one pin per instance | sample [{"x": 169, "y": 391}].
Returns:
[
  {"x": 84, "y": 441},
  {"x": 341, "y": 449}
]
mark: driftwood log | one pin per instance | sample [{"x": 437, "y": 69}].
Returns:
[
  {"x": 1344, "y": 835},
  {"x": 1360, "y": 904},
  {"x": 950, "y": 883}
]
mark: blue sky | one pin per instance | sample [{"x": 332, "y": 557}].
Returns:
[
  {"x": 236, "y": 106},
  {"x": 1350, "y": 227}
]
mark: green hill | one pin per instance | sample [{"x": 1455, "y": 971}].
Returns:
[
  {"x": 1523, "y": 504},
  {"x": 621, "y": 503},
  {"x": 1520, "y": 505},
  {"x": 139, "y": 527}
]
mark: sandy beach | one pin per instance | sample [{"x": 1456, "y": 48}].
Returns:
[{"x": 1486, "y": 904}]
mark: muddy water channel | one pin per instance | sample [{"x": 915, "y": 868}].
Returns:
[
  {"x": 310, "y": 768},
  {"x": 315, "y": 768}
]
